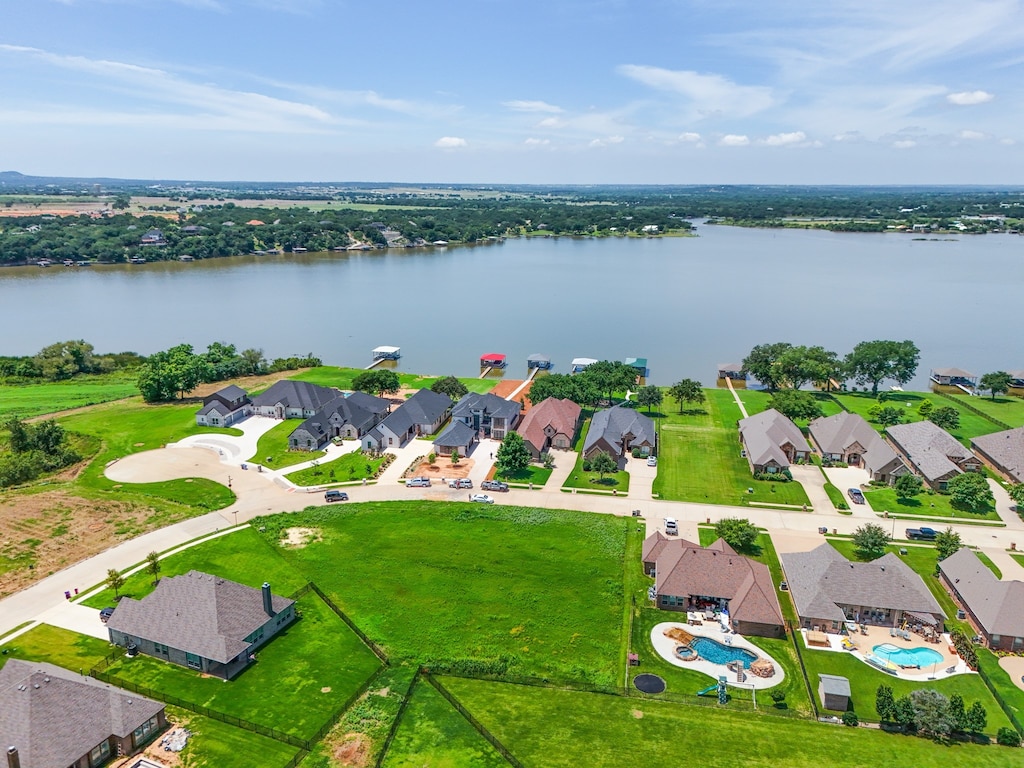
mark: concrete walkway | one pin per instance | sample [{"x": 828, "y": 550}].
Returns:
[
  {"x": 564, "y": 463},
  {"x": 736, "y": 397}
]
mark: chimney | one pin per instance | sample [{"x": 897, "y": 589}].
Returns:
[
  {"x": 268, "y": 600},
  {"x": 13, "y": 761}
]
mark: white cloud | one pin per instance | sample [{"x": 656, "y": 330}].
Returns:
[
  {"x": 689, "y": 137},
  {"x": 711, "y": 95},
  {"x": 451, "y": 142},
  {"x": 531, "y": 106},
  {"x": 537, "y": 142},
  {"x": 849, "y": 136},
  {"x": 969, "y": 98},
  {"x": 971, "y": 135},
  {"x": 904, "y": 144},
  {"x": 733, "y": 140},
  {"x": 550, "y": 122},
  {"x": 1008, "y": 142},
  {"x": 607, "y": 141},
  {"x": 785, "y": 139}
]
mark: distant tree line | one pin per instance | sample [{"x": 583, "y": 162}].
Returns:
[
  {"x": 34, "y": 450},
  {"x": 64, "y": 360}
]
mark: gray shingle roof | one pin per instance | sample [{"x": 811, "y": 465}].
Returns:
[
  {"x": 296, "y": 394},
  {"x": 358, "y": 409},
  {"x": 835, "y": 685},
  {"x": 231, "y": 392},
  {"x": 821, "y": 579},
  {"x": 999, "y": 605},
  {"x": 613, "y": 424},
  {"x": 835, "y": 434},
  {"x": 1005, "y": 449},
  {"x": 197, "y": 613},
  {"x": 492, "y": 405},
  {"x": 928, "y": 447},
  {"x": 764, "y": 433},
  {"x": 953, "y": 372},
  {"x": 54, "y": 724},
  {"x": 456, "y": 435},
  {"x": 424, "y": 407}
]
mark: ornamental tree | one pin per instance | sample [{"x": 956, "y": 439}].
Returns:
[
  {"x": 970, "y": 491},
  {"x": 870, "y": 540}
]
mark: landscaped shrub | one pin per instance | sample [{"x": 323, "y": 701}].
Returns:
[
  {"x": 636, "y": 453},
  {"x": 586, "y": 465},
  {"x": 774, "y": 477},
  {"x": 965, "y": 648},
  {"x": 850, "y": 719},
  {"x": 1008, "y": 737}
]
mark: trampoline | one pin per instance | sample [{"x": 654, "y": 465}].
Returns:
[{"x": 648, "y": 683}]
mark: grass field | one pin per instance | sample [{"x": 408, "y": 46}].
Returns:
[
  {"x": 27, "y": 400},
  {"x": 555, "y": 728},
  {"x": 971, "y": 424},
  {"x": 494, "y": 588},
  {"x": 351, "y": 466},
  {"x": 56, "y": 646},
  {"x": 329, "y": 376},
  {"x": 1008, "y": 691},
  {"x": 930, "y": 504},
  {"x": 534, "y": 473},
  {"x": 429, "y": 736},
  {"x": 218, "y": 745},
  {"x": 1009, "y": 410},
  {"x": 272, "y": 448},
  {"x": 699, "y": 455},
  {"x": 302, "y": 676}
]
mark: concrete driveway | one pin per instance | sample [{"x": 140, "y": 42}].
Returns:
[
  {"x": 234, "y": 449},
  {"x": 813, "y": 482},
  {"x": 845, "y": 478},
  {"x": 641, "y": 479}
]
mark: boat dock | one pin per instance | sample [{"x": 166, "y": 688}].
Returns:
[
  {"x": 380, "y": 354},
  {"x": 492, "y": 361}
]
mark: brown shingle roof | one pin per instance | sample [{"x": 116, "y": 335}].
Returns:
[
  {"x": 54, "y": 716},
  {"x": 562, "y": 415},
  {"x": 999, "y": 605}
]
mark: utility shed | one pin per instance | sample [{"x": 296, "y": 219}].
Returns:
[{"x": 834, "y": 692}]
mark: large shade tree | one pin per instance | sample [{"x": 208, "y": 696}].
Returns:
[
  {"x": 996, "y": 383},
  {"x": 762, "y": 363},
  {"x": 872, "y": 362},
  {"x": 686, "y": 391}
]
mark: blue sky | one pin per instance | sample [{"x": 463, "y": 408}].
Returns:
[{"x": 496, "y": 91}]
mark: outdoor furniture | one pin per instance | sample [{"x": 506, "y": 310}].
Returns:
[{"x": 892, "y": 631}]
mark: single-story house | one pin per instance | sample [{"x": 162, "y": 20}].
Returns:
[
  {"x": 731, "y": 371},
  {"x": 1003, "y": 452},
  {"x": 829, "y": 590},
  {"x": 287, "y": 399},
  {"x": 53, "y": 718},
  {"x": 457, "y": 436},
  {"x": 954, "y": 377},
  {"x": 995, "y": 608},
  {"x": 771, "y": 442},
  {"x": 349, "y": 416},
  {"x": 931, "y": 452},
  {"x": 689, "y": 577},
  {"x": 490, "y": 414},
  {"x": 834, "y": 692},
  {"x": 421, "y": 414},
  {"x": 617, "y": 431},
  {"x": 846, "y": 437},
  {"x": 202, "y": 622},
  {"x": 224, "y": 407},
  {"x": 551, "y": 423}
]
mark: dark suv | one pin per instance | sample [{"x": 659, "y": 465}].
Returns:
[
  {"x": 493, "y": 485},
  {"x": 335, "y": 496}
]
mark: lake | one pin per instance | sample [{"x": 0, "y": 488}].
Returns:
[{"x": 685, "y": 303}]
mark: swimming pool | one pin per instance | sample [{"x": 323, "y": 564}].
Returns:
[
  {"x": 717, "y": 653},
  {"x": 907, "y": 657}
]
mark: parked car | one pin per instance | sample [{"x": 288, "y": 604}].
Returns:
[
  {"x": 417, "y": 482},
  {"x": 671, "y": 526},
  {"x": 855, "y": 495},
  {"x": 335, "y": 496},
  {"x": 652, "y": 461},
  {"x": 784, "y": 586},
  {"x": 105, "y": 614},
  {"x": 493, "y": 485},
  {"x": 463, "y": 482},
  {"x": 482, "y": 498}
]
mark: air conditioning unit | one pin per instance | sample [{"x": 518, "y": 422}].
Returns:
[{"x": 743, "y": 454}]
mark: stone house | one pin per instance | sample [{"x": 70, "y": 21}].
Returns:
[
  {"x": 934, "y": 454},
  {"x": 422, "y": 414},
  {"x": 488, "y": 414},
  {"x": 995, "y": 608},
  {"x": 552, "y": 423},
  {"x": 350, "y": 416},
  {"x": 617, "y": 431},
  {"x": 224, "y": 407},
  {"x": 846, "y": 437},
  {"x": 771, "y": 442}
]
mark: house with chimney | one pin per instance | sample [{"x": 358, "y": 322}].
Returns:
[
  {"x": 202, "y": 622},
  {"x": 52, "y": 717}
]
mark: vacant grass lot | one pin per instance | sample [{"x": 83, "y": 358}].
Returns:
[
  {"x": 1009, "y": 410},
  {"x": 931, "y": 504},
  {"x": 351, "y": 466},
  {"x": 56, "y": 646},
  {"x": 495, "y": 588},
  {"x": 272, "y": 449},
  {"x": 329, "y": 376},
  {"x": 971, "y": 425},
  {"x": 564, "y": 728},
  {"x": 699, "y": 456},
  {"x": 218, "y": 745},
  {"x": 429, "y": 736},
  {"x": 27, "y": 400},
  {"x": 301, "y": 677}
]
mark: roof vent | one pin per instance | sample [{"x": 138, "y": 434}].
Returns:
[
  {"x": 46, "y": 679},
  {"x": 35, "y": 685}
]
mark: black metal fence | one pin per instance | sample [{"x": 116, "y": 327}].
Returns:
[
  {"x": 1010, "y": 714},
  {"x": 961, "y": 402},
  {"x": 377, "y": 650},
  {"x": 796, "y": 636},
  {"x": 397, "y": 721}
]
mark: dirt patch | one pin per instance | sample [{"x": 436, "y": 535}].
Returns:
[
  {"x": 325, "y": 689},
  {"x": 637, "y": 714},
  {"x": 504, "y": 388},
  {"x": 443, "y": 468},
  {"x": 353, "y": 750},
  {"x": 383, "y": 692},
  {"x": 300, "y": 537},
  {"x": 248, "y": 383},
  {"x": 42, "y": 533}
]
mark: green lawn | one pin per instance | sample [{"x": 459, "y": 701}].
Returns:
[
  {"x": 493, "y": 588},
  {"x": 272, "y": 449},
  {"x": 243, "y": 556},
  {"x": 56, "y": 646},
  {"x": 971, "y": 424},
  {"x": 351, "y": 466},
  {"x": 330, "y": 376},
  {"x": 534, "y": 473},
  {"x": 1012, "y": 696},
  {"x": 592, "y": 481},
  {"x": 27, "y": 400},
  {"x": 218, "y": 745},
  {"x": 429, "y": 736},
  {"x": 302, "y": 676},
  {"x": 699, "y": 456},
  {"x": 929, "y": 503},
  {"x": 1009, "y": 410},
  {"x": 556, "y": 728}
]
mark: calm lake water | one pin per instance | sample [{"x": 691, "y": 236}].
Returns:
[{"x": 684, "y": 303}]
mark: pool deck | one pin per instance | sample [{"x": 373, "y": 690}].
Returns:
[
  {"x": 666, "y": 647},
  {"x": 879, "y": 636}
]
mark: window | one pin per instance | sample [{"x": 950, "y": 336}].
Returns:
[
  {"x": 144, "y": 731},
  {"x": 161, "y": 648},
  {"x": 194, "y": 661},
  {"x": 996, "y": 639},
  {"x": 255, "y": 637},
  {"x": 99, "y": 754}
]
